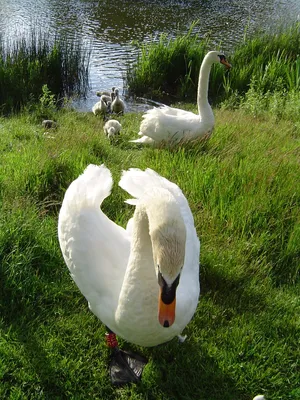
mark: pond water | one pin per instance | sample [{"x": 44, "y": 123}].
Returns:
[{"x": 109, "y": 27}]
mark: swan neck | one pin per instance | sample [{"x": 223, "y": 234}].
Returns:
[
  {"x": 157, "y": 209},
  {"x": 140, "y": 264},
  {"x": 203, "y": 83}
]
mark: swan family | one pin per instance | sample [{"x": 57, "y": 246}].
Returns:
[
  {"x": 169, "y": 124},
  {"x": 142, "y": 282},
  {"x": 110, "y": 102}
]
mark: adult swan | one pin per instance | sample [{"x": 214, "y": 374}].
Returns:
[
  {"x": 168, "y": 124},
  {"x": 142, "y": 282}
]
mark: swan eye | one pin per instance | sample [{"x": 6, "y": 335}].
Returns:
[{"x": 222, "y": 57}]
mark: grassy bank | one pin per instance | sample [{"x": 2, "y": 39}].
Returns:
[
  {"x": 28, "y": 64},
  {"x": 169, "y": 69},
  {"x": 243, "y": 192}
]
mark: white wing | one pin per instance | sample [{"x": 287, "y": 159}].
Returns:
[
  {"x": 95, "y": 249},
  {"x": 170, "y": 124}
]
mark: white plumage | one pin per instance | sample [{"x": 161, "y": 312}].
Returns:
[
  {"x": 118, "y": 105},
  {"x": 168, "y": 124},
  {"x": 100, "y": 108},
  {"x": 116, "y": 269},
  {"x": 112, "y": 128}
]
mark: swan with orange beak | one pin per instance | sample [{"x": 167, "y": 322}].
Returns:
[{"x": 142, "y": 282}]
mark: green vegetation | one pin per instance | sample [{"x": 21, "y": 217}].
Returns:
[
  {"x": 169, "y": 67},
  {"x": 266, "y": 63},
  {"x": 242, "y": 186},
  {"x": 28, "y": 64},
  {"x": 243, "y": 192}
]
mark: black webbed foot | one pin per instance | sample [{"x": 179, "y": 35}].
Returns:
[{"x": 126, "y": 367}]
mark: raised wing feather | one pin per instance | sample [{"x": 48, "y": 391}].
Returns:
[{"x": 89, "y": 240}]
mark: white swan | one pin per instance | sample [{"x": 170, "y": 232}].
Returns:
[
  {"x": 118, "y": 105},
  {"x": 100, "y": 108},
  {"x": 112, "y": 128},
  {"x": 172, "y": 124},
  {"x": 129, "y": 277}
]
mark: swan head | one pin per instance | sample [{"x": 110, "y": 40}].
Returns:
[
  {"x": 217, "y": 57},
  {"x": 168, "y": 245},
  {"x": 111, "y": 132}
]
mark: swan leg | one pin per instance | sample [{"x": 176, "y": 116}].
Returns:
[{"x": 125, "y": 367}]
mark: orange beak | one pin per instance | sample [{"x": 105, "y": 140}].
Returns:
[
  {"x": 227, "y": 65},
  {"x": 166, "y": 312}
]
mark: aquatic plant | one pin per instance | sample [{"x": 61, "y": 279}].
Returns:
[
  {"x": 171, "y": 66},
  {"x": 29, "y": 63},
  {"x": 168, "y": 67}
]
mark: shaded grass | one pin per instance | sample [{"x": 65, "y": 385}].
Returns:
[
  {"x": 241, "y": 186},
  {"x": 29, "y": 63}
]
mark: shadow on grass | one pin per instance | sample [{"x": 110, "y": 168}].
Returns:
[
  {"x": 231, "y": 292},
  {"x": 185, "y": 371}
]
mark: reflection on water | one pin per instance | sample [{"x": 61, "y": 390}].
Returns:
[{"x": 109, "y": 27}]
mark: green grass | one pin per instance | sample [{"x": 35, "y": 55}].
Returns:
[
  {"x": 243, "y": 191},
  {"x": 29, "y": 63}
]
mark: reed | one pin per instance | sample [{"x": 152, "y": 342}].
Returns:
[
  {"x": 169, "y": 69},
  {"x": 29, "y": 63}
]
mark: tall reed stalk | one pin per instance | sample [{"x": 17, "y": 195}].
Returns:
[
  {"x": 171, "y": 66},
  {"x": 29, "y": 63}
]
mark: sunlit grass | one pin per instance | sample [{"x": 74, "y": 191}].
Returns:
[{"x": 243, "y": 192}]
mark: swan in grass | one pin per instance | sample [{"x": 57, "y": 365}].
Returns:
[
  {"x": 111, "y": 128},
  {"x": 173, "y": 124},
  {"x": 118, "y": 105},
  {"x": 142, "y": 282},
  {"x": 100, "y": 108}
]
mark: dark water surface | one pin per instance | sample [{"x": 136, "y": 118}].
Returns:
[{"x": 109, "y": 27}]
